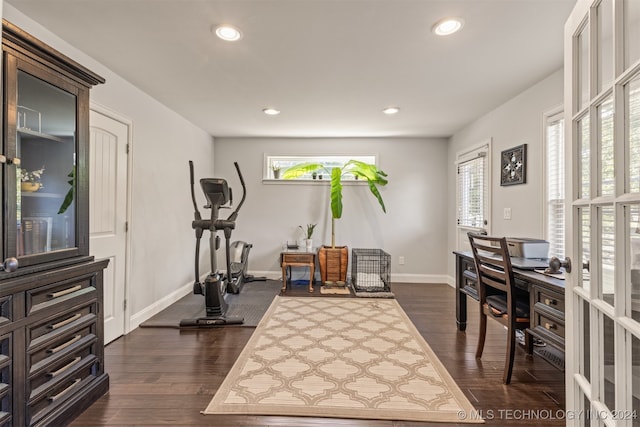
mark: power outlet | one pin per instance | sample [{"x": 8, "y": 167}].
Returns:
[
  {"x": 507, "y": 213},
  {"x": 401, "y": 260}
]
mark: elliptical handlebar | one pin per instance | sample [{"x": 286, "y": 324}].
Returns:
[
  {"x": 196, "y": 212},
  {"x": 234, "y": 214}
]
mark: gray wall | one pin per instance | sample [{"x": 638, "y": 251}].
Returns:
[
  {"x": 162, "y": 241},
  {"x": 415, "y": 223},
  {"x": 518, "y": 121}
]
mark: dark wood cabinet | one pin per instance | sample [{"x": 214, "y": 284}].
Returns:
[{"x": 51, "y": 321}]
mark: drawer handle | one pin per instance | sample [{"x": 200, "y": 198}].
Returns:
[
  {"x": 65, "y": 345},
  {"x": 63, "y": 392},
  {"x": 549, "y": 301},
  {"x": 550, "y": 326},
  {"x": 65, "y": 292},
  {"x": 65, "y": 322},
  {"x": 64, "y": 368}
]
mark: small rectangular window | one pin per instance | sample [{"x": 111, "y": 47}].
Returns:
[{"x": 274, "y": 165}]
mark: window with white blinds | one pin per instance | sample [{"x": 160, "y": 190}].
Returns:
[
  {"x": 554, "y": 160},
  {"x": 473, "y": 189}
]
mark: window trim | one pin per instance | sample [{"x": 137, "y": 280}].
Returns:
[{"x": 481, "y": 150}]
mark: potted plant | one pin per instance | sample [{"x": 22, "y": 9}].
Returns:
[
  {"x": 31, "y": 180},
  {"x": 308, "y": 232},
  {"x": 360, "y": 170},
  {"x": 276, "y": 170}
]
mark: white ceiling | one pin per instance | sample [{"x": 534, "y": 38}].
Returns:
[{"x": 330, "y": 66}]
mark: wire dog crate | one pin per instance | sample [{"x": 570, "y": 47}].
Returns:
[{"x": 370, "y": 270}]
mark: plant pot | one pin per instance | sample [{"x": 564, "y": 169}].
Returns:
[
  {"x": 333, "y": 264},
  {"x": 29, "y": 187},
  {"x": 309, "y": 244},
  {"x": 276, "y": 174}
]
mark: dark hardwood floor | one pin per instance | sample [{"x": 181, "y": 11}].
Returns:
[{"x": 165, "y": 377}]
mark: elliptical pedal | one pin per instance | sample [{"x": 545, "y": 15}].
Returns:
[{"x": 211, "y": 322}]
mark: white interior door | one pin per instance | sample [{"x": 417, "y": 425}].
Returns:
[
  {"x": 108, "y": 195},
  {"x": 602, "y": 116}
]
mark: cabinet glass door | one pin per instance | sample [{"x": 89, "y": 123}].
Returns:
[{"x": 46, "y": 146}]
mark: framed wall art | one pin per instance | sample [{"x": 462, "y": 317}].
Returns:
[{"x": 513, "y": 164}]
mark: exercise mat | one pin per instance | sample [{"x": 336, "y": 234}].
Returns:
[{"x": 251, "y": 303}]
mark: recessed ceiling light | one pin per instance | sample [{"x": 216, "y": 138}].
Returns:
[
  {"x": 447, "y": 26},
  {"x": 228, "y": 33},
  {"x": 391, "y": 110},
  {"x": 271, "y": 111}
]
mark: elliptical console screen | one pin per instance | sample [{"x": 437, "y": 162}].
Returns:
[{"x": 216, "y": 190}]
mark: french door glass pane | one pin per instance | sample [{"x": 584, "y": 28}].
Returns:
[
  {"x": 583, "y": 67},
  {"x": 584, "y": 248},
  {"x": 608, "y": 366},
  {"x": 631, "y": 32},
  {"x": 586, "y": 420},
  {"x": 586, "y": 339},
  {"x": 607, "y": 254},
  {"x": 632, "y": 130},
  {"x": 605, "y": 44},
  {"x": 633, "y": 231},
  {"x": 584, "y": 148},
  {"x": 635, "y": 376},
  {"x": 605, "y": 142}
]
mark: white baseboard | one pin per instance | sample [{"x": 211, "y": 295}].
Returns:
[
  {"x": 159, "y": 305},
  {"x": 418, "y": 278},
  {"x": 451, "y": 281}
]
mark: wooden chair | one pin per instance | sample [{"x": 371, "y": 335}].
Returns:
[{"x": 498, "y": 295}]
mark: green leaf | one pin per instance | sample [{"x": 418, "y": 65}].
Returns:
[
  {"x": 68, "y": 198},
  {"x": 301, "y": 169},
  {"x": 336, "y": 193},
  {"x": 376, "y": 193}
]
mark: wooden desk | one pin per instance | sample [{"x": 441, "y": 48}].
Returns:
[
  {"x": 546, "y": 299},
  {"x": 297, "y": 259}
]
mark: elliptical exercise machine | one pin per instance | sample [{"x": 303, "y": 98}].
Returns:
[{"x": 216, "y": 285}]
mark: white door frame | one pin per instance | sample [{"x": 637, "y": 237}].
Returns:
[{"x": 101, "y": 109}]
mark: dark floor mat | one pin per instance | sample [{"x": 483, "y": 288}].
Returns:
[{"x": 251, "y": 303}]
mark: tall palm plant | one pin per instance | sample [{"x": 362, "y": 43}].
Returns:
[{"x": 361, "y": 170}]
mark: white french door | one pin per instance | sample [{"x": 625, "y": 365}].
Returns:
[{"x": 602, "y": 116}]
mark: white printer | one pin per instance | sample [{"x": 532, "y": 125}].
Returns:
[{"x": 523, "y": 247}]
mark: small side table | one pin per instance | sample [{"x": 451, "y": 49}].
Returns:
[{"x": 297, "y": 259}]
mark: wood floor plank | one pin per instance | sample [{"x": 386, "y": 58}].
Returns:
[{"x": 165, "y": 377}]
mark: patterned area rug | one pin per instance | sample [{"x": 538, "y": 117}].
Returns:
[{"x": 343, "y": 358}]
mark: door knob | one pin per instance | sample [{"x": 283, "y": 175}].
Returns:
[
  {"x": 9, "y": 265},
  {"x": 555, "y": 263}
]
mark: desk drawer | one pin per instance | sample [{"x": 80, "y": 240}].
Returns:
[
  {"x": 553, "y": 326},
  {"x": 299, "y": 258},
  {"x": 549, "y": 299}
]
